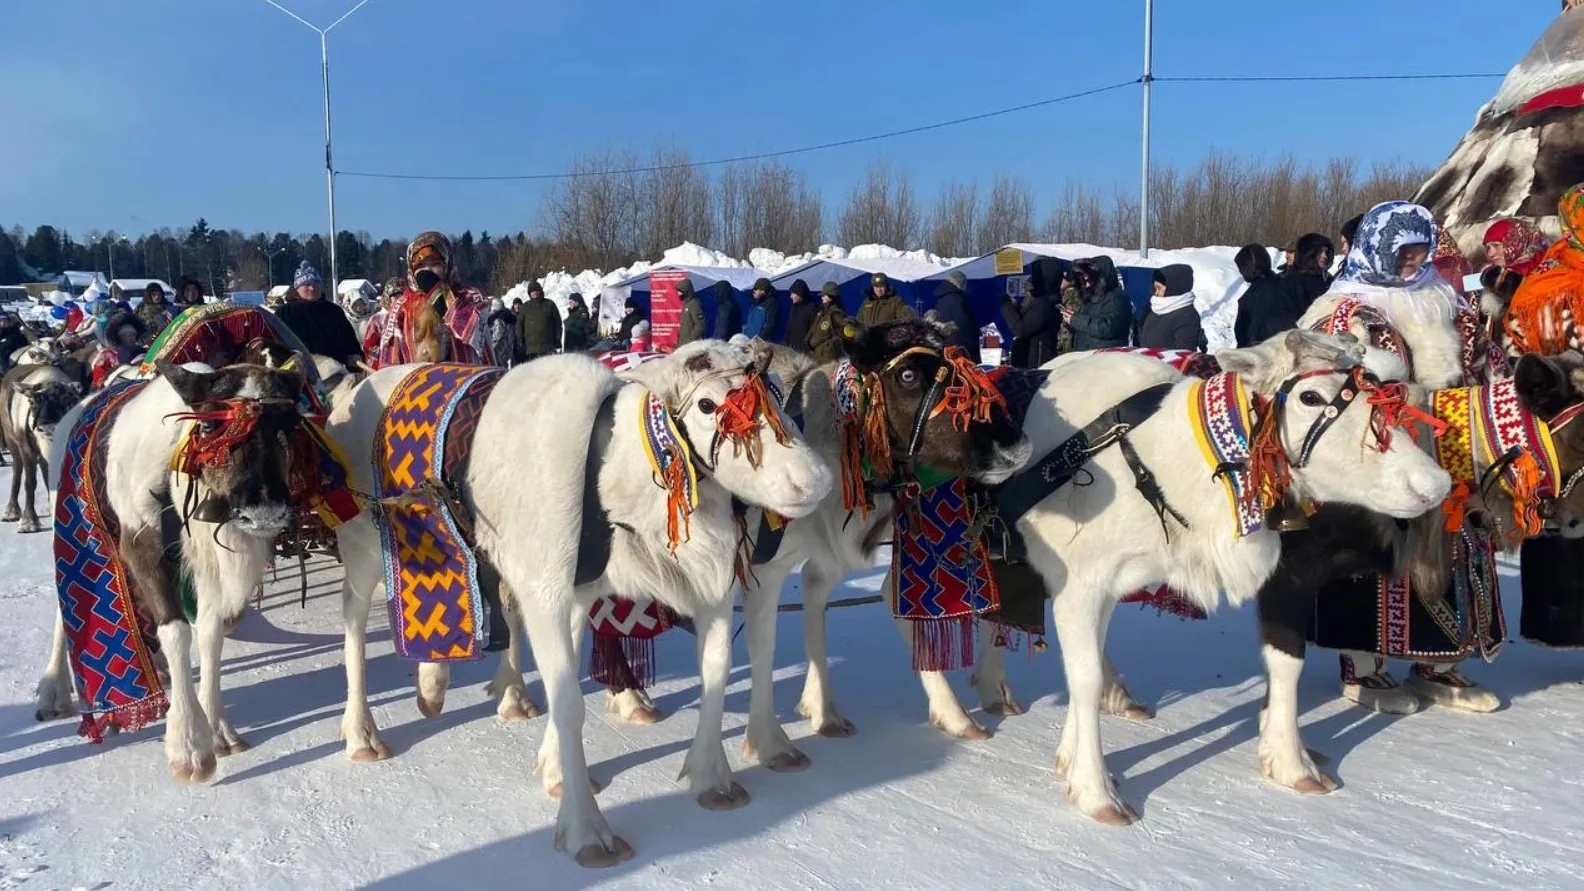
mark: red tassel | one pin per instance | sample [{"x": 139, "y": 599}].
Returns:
[
  {"x": 943, "y": 644},
  {"x": 622, "y": 663}
]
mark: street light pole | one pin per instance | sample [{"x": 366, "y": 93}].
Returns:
[
  {"x": 1144, "y": 176},
  {"x": 269, "y": 261},
  {"x": 324, "y": 73}
]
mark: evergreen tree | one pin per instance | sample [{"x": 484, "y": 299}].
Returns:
[
  {"x": 349, "y": 257},
  {"x": 43, "y": 251},
  {"x": 10, "y": 268}
]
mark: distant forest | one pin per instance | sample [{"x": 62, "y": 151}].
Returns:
[{"x": 619, "y": 207}]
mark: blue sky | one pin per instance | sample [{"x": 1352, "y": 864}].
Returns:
[{"x": 135, "y": 115}]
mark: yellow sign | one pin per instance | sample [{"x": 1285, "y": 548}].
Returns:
[{"x": 1008, "y": 261}]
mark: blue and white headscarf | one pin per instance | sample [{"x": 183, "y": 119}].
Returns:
[{"x": 1387, "y": 228}]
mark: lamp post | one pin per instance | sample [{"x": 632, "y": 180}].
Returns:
[
  {"x": 1144, "y": 176},
  {"x": 110, "y": 242},
  {"x": 324, "y": 71},
  {"x": 269, "y": 264}
]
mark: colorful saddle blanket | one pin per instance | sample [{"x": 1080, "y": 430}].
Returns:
[
  {"x": 109, "y": 639},
  {"x": 1190, "y": 362},
  {"x": 438, "y": 608},
  {"x": 940, "y": 572},
  {"x": 217, "y": 334}
]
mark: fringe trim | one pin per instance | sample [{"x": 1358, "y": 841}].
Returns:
[
  {"x": 127, "y": 717},
  {"x": 943, "y": 644},
  {"x": 622, "y": 663}
]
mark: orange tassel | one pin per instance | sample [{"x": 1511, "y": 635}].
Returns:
[
  {"x": 1269, "y": 469},
  {"x": 1456, "y": 507},
  {"x": 971, "y": 396},
  {"x": 738, "y": 418},
  {"x": 876, "y": 435},
  {"x": 678, "y": 511},
  {"x": 1525, "y": 486}
]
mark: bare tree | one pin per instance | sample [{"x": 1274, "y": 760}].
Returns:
[
  {"x": 596, "y": 208},
  {"x": 881, "y": 210},
  {"x": 954, "y": 221},
  {"x": 674, "y": 203},
  {"x": 767, "y": 205},
  {"x": 1008, "y": 216}
]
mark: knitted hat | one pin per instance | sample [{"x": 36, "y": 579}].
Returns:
[
  {"x": 831, "y": 290},
  {"x": 800, "y": 288},
  {"x": 306, "y": 275},
  {"x": 763, "y": 284}
]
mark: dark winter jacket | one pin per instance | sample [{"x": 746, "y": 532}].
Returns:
[
  {"x": 1267, "y": 308},
  {"x": 502, "y": 327},
  {"x": 1179, "y": 329},
  {"x": 1308, "y": 276},
  {"x": 879, "y": 310},
  {"x": 800, "y": 318},
  {"x": 11, "y": 339},
  {"x": 324, "y": 329},
  {"x": 1036, "y": 326},
  {"x": 538, "y": 327},
  {"x": 1304, "y": 287},
  {"x": 951, "y": 305},
  {"x": 1106, "y": 320},
  {"x": 728, "y": 315},
  {"x": 578, "y": 332},
  {"x": 694, "y": 325},
  {"x": 155, "y": 316},
  {"x": 825, "y": 340},
  {"x": 762, "y": 312},
  {"x": 629, "y": 321}
]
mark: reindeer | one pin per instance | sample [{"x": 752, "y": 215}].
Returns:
[
  {"x": 230, "y": 511},
  {"x": 34, "y": 399},
  {"x": 549, "y": 410}
]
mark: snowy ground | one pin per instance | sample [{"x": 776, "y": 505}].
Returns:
[{"x": 1433, "y": 800}]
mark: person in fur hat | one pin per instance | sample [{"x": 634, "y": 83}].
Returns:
[{"x": 437, "y": 318}]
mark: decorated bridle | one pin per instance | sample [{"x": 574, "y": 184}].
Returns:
[{"x": 959, "y": 389}]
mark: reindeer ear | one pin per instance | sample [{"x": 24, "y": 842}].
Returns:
[
  {"x": 761, "y": 353},
  {"x": 191, "y": 386},
  {"x": 1253, "y": 363},
  {"x": 864, "y": 345},
  {"x": 1542, "y": 385}
]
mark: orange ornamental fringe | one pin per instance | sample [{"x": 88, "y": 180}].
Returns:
[
  {"x": 679, "y": 507},
  {"x": 1554, "y": 292},
  {"x": 1269, "y": 470},
  {"x": 971, "y": 396},
  {"x": 875, "y": 435},
  {"x": 200, "y": 448},
  {"x": 739, "y": 419},
  {"x": 1526, "y": 481}
]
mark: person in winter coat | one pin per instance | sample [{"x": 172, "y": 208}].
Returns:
[
  {"x": 1349, "y": 231},
  {"x": 728, "y": 315},
  {"x": 800, "y": 318},
  {"x": 502, "y": 324},
  {"x": 762, "y": 312},
  {"x": 951, "y": 305},
  {"x": 538, "y": 325},
  {"x": 577, "y": 334},
  {"x": 629, "y": 324},
  {"x": 1172, "y": 322},
  {"x": 1035, "y": 321},
  {"x": 155, "y": 311},
  {"x": 824, "y": 339},
  {"x": 12, "y": 339},
  {"x": 1268, "y": 306},
  {"x": 191, "y": 293},
  {"x": 1309, "y": 276},
  {"x": 1105, "y": 319},
  {"x": 321, "y": 325},
  {"x": 882, "y": 304},
  {"x": 695, "y": 325},
  {"x": 1071, "y": 301}
]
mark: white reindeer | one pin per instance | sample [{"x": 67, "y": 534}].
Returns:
[
  {"x": 1093, "y": 544},
  {"x": 33, "y": 400},
  {"x": 525, "y": 490}
]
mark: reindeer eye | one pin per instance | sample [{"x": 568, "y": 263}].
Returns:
[
  {"x": 908, "y": 376},
  {"x": 707, "y": 406},
  {"x": 1312, "y": 399}
]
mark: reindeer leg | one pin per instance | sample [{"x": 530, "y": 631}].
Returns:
[
  {"x": 548, "y": 762},
  {"x": 989, "y": 676},
  {"x": 189, "y": 739},
  {"x": 1080, "y": 626},
  {"x": 363, "y": 578},
  {"x": 434, "y": 678},
  {"x": 1285, "y": 605},
  {"x": 30, "y": 519},
  {"x": 766, "y": 739},
  {"x": 55, "y": 696},
  {"x": 706, "y": 766},
  {"x": 818, "y": 703},
  {"x": 945, "y": 710},
  {"x": 515, "y": 704},
  {"x": 580, "y": 827},
  {"x": 13, "y": 512}
]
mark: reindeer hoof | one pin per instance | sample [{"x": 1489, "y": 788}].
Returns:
[
  {"x": 222, "y": 750},
  {"x": 791, "y": 761},
  {"x": 971, "y": 732},
  {"x": 11, "y": 515},
  {"x": 431, "y": 709},
  {"x": 1311, "y": 786},
  {"x": 1116, "y": 816},
  {"x": 525, "y": 710},
  {"x": 594, "y": 785},
  {"x": 1136, "y": 712},
  {"x": 28, "y": 526},
  {"x": 597, "y": 856},
  {"x": 202, "y": 772},
  {"x": 367, "y": 754},
  {"x": 1008, "y": 708},
  {"x": 729, "y": 800},
  {"x": 644, "y": 714},
  {"x": 839, "y": 729}
]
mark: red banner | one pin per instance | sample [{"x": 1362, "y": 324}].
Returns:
[{"x": 665, "y": 309}]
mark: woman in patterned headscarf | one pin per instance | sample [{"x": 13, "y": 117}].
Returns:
[
  {"x": 1390, "y": 295},
  {"x": 1536, "y": 320},
  {"x": 436, "y": 320}
]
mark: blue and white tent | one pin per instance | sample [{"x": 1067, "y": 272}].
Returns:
[
  {"x": 852, "y": 276},
  {"x": 741, "y": 278}
]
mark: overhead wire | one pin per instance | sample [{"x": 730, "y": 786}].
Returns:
[{"x": 905, "y": 131}]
